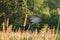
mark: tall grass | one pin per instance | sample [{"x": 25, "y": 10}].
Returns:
[{"x": 44, "y": 34}]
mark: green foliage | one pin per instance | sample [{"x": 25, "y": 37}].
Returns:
[{"x": 16, "y": 10}]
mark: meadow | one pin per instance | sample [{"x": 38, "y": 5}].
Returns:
[{"x": 45, "y": 34}]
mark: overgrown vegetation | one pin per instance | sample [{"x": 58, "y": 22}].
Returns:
[
  {"x": 44, "y": 34},
  {"x": 16, "y": 10},
  {"x": 16, "y": 19}
]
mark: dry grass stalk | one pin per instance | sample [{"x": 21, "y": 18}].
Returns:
[
  {"x": 9, "y": 29},
  {"x": 7, "y": 22},
  {"x": 25, "y": 20},
  {"x": 3, "y": 27}
]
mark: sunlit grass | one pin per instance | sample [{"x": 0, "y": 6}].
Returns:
[{"x": 44, "y": 34}]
